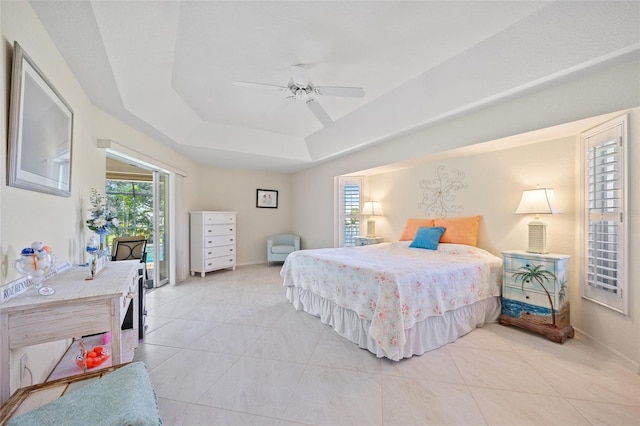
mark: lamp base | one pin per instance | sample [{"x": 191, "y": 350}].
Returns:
[
  {"x": 371, "y": 228},
  {"x": 537, "y": 237}
]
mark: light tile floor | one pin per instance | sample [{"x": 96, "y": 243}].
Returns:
[{"x": 228, "y": 349}]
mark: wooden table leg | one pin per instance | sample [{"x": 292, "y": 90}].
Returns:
[
  {"x": 116, "y": 343},
  {"x": 5, "y": 353}
]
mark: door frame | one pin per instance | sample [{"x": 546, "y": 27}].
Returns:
[{"x": 119, "y": 153}]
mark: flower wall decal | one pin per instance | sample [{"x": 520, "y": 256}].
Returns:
[{"x": 437, "y": 193}]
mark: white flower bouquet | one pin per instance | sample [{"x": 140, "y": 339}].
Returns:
[{"x": 103, "y": 218}]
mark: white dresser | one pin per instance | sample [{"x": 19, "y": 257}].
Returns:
[{"x": 213, "y": 241}]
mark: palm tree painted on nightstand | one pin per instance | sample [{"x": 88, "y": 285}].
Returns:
[{"x": 537, "y": 273}]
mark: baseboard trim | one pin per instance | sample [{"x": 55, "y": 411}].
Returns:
[{"x": 622, "y": 359}]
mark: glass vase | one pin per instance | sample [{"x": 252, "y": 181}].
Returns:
[{"x": 102, "y": 251}]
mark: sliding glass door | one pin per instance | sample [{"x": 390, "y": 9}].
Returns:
[
  {"x": 140, "y": 195},
  {"x": 161, "y": 218}
]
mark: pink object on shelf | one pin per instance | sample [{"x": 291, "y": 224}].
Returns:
[{"x": 106, "y": 338}]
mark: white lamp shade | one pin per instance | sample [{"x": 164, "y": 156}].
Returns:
[
  {"x": 538, "y": 201},
  {"x": 372, "y": 208}
]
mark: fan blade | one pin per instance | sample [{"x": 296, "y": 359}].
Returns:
[
  {"x": 300, "y": 76},
  {"x": 260, "y": 85},
  {"x": 320, "y": 113},
  {"x": 352, "y": 92}
]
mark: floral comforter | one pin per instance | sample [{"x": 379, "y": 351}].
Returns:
[{"x": 395, "y": 286}]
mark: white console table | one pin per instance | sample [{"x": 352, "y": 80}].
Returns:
[{"x": 78, "y": 308}]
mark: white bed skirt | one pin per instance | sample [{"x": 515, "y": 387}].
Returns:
[{"x": 424, "y": 336}]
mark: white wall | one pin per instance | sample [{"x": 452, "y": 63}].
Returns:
[
  {"x": 105, "y": 126},
  {"x": 493, "y": 186},
  {"x": 26, "y": 216},
  {"x": 306, "y": 198},
  {"x": 235, "y": 190},
  {"x": 602, "y": 90},
  {"x": 610, "y": 329}
]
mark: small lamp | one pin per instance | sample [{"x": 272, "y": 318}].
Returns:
[
  {"x": 538, "y": 201},
  {"x": 371, "y": 209}
]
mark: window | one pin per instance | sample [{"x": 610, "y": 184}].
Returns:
[
  {"x": 135, "y": 207},
  {"x": 350, "y": 200},
  {"x": 604, "y": 278}
]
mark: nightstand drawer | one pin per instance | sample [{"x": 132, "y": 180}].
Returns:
[
  {"x": 513, "y": 263},
  {"x": 509, "y": 281},
  {"x": 535, "y": 298}
]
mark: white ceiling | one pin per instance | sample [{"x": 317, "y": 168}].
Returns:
[{"x": 168, "y": 67}]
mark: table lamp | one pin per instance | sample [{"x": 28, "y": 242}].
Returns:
[
  {"x": 371, "y": 209},
  {"x": 538, "y": 201}
]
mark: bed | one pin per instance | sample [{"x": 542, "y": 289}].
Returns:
[{"x": 395, "y": 300}]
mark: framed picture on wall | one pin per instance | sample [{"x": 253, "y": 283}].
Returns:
[
  {"x": 40, "y": 130},
  {"x": 266, "y": 199}
]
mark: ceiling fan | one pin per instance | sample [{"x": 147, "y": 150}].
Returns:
[{"x": 300, "y": 88}]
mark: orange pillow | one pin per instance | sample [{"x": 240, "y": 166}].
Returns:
[
  {"x": 459, "y": 230},
  {"x": 412, "y": 226}
]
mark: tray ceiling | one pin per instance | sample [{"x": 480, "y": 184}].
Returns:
[{"x": 168, "y": 68}]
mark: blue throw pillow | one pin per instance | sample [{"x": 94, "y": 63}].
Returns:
[{"x": 427, "y": 238}]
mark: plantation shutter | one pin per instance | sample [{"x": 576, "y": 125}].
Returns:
[
  {"x": 350, "y": 202},
  {"x": 605, "y": 230}
]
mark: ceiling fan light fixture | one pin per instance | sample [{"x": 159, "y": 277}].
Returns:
[
  {"x": 300, "y": 76},
  {"x": 300, "y": 88},
  {"x": 300, "y": 93}
]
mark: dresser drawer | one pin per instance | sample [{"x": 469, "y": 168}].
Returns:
[
  {"x": 219, "y": 262},
  {"x": 221, "y": 240},
  {"x": 218, "y": 218},
  {"x": 219, "y": 251},
  {"x": 214, "y": 230}
]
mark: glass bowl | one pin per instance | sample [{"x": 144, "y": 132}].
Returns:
[{"x": 96, "y": 356}]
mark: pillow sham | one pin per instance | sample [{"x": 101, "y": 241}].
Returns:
[
  {"x": 460, "y": 230},
  {"x": 411, "y": 227},
  {"x": 427, "y": 238}
]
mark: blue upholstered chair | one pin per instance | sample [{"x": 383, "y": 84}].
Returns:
[{"x": 279, "y": 246}]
